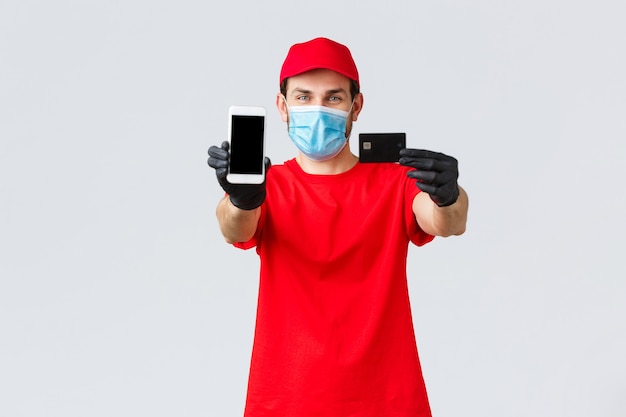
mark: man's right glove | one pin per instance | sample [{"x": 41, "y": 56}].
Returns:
[{"x": 243, "y": 196}]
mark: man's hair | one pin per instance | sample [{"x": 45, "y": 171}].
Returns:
[{"x": 354, "y": 88}]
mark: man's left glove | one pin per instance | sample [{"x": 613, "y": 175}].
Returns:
[
  {"x": 243, "y": 196},
  {"x": 436, "y": 174}
]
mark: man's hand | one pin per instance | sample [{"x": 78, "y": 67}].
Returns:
[
  {"x": 243, "y": 196},
  {"x": 436, "y": 174}
]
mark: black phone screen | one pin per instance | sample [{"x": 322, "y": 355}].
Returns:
[{"x": 246, "y": 144}]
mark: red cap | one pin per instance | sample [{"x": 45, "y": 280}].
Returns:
[{"x": 319, "y": 53}]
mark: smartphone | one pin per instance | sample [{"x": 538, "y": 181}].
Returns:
[
  {"x": 246, "y": 130},
  {"x": 381, "y": 147}
]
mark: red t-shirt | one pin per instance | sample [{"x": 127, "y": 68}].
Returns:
[{"x": 334, "y": 333}]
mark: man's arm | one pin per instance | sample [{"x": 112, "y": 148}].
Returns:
[
  {"x": 441, "y": 208},
  {"x": 237, "y": 225},
  {"x": 441, "y": 221},
  {"x": 239, "y": 211}
]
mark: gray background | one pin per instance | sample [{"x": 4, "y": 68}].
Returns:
[{"x": 118, "y": 295}]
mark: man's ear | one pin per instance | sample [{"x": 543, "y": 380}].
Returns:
[
  {"x": 282, "y": 107},
  {"x": 357, "y": 106}
]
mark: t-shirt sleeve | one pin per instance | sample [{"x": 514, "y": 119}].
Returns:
[
  {"x": 414, "y": 231},
  {"x": 254, "y": 241}
]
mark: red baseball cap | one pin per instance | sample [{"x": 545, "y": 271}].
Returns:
[{"x": 319, "y": 53}]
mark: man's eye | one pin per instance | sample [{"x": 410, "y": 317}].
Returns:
[{"x": 302, "y": 98}]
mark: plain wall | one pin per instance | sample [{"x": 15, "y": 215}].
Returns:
[{"x": 118, "y": 295}]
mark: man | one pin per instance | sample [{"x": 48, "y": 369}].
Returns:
[{"x": 334, "y": 334}]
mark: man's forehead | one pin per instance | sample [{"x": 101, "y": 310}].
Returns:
[{"x": 319, "y": 81}]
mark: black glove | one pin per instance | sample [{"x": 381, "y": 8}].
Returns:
[
  {"x": 435, "y": 173},
  {"x": 244, "y": 196}
]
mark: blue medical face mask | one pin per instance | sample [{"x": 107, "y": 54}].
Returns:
[{"x": 319, "y": 132}]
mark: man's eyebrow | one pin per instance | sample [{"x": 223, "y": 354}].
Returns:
[
  {"x": 301, "y": 90},
  {"x": 336, "y": 91},
  {"x": 327, "y": 92}
]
